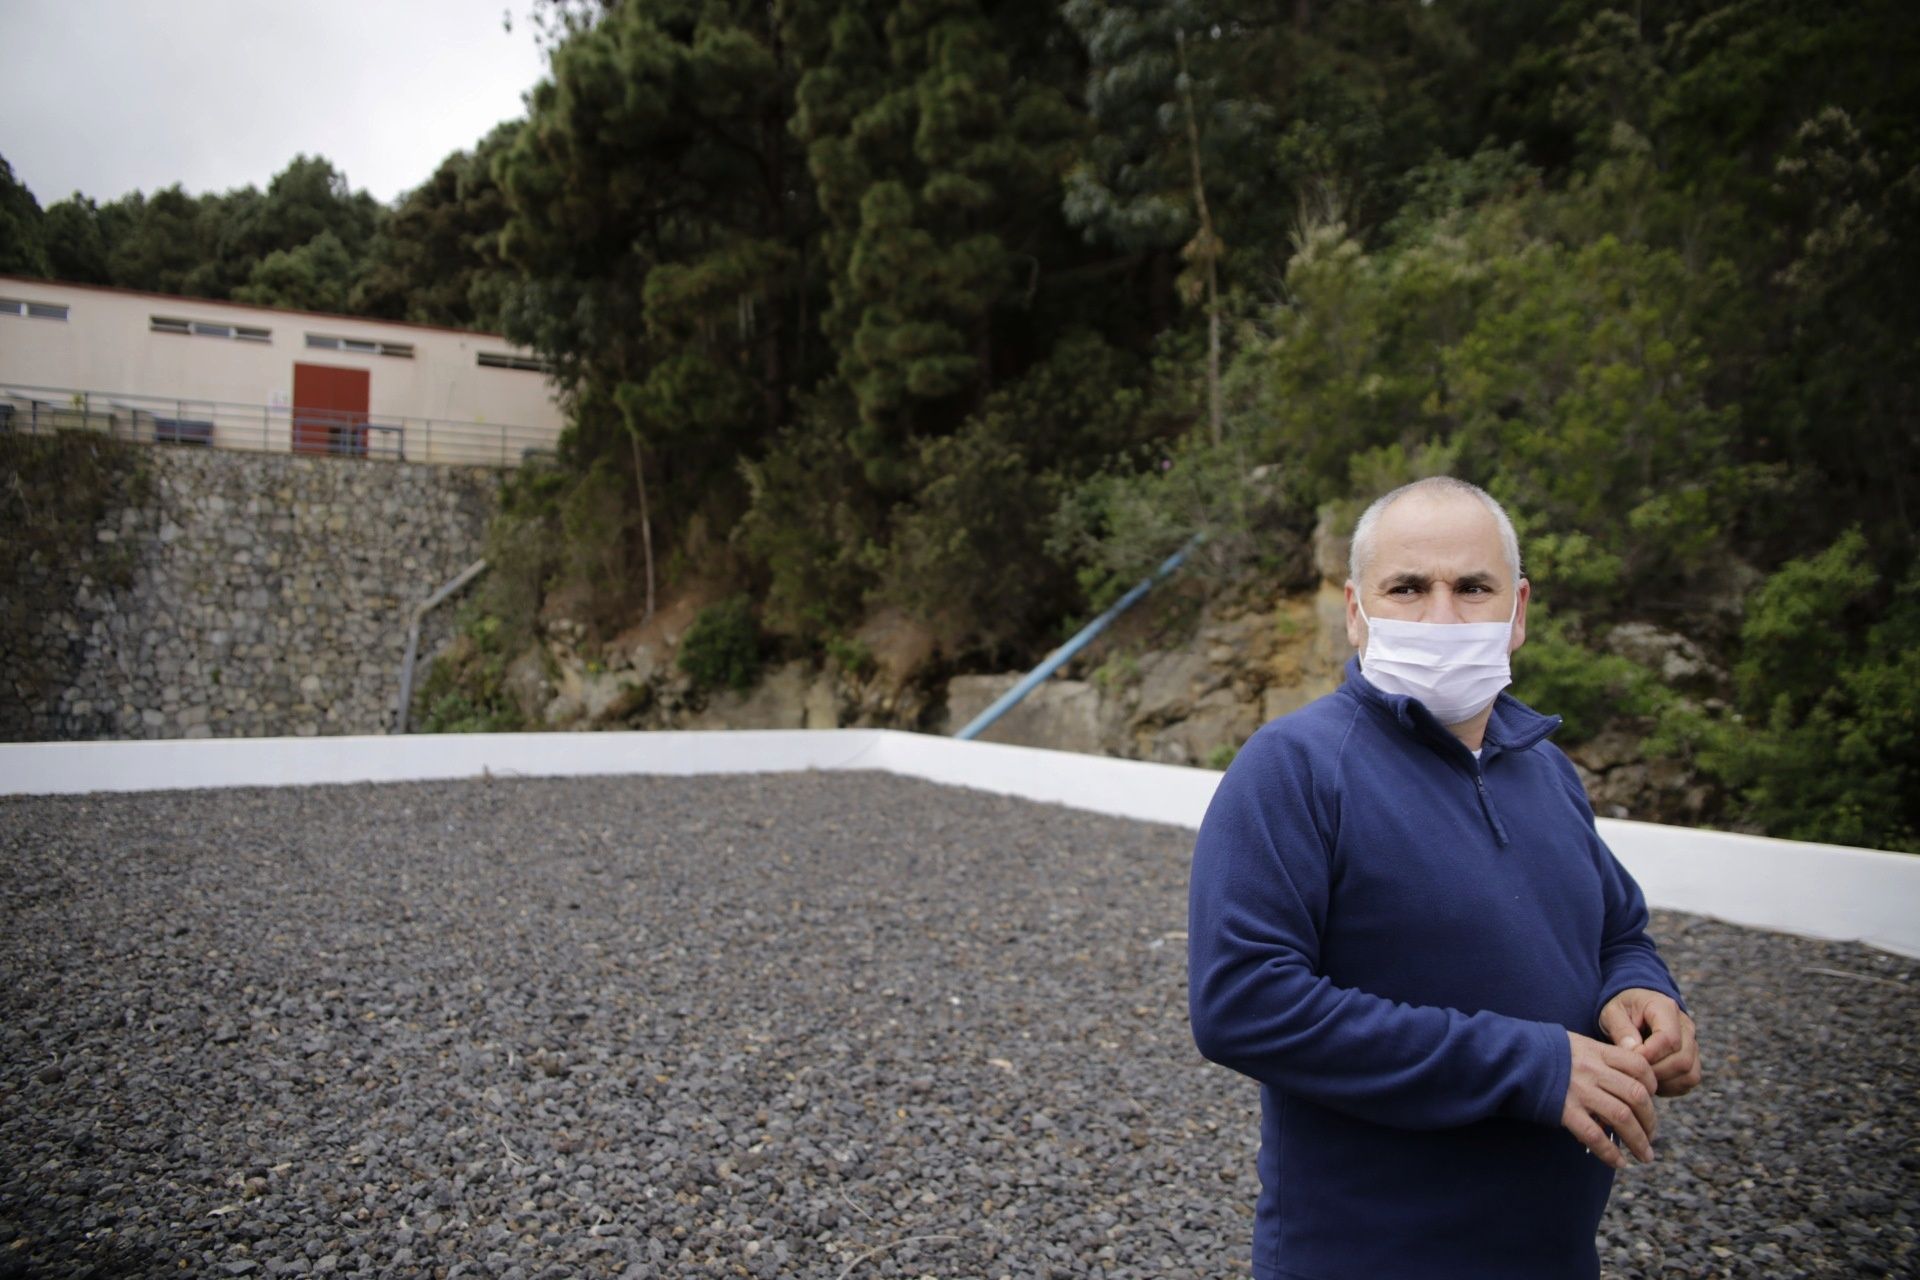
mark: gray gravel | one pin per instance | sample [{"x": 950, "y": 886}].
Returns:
[{"x": 819, "y": 1025}]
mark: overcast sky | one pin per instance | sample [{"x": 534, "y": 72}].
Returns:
[{"x": 111, "y": 96}]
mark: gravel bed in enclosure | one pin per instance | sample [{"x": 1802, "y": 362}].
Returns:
[{"x": 809, "y": 1025}]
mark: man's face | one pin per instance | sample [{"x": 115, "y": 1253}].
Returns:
[{"x": 1437, "y": 558}]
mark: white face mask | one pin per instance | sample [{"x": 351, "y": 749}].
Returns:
[{"x": 1456, "y": 668}]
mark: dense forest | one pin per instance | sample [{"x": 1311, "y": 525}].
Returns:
[
  {"x": 308, "y": 242},
  {"x": 978, "y": 309}
]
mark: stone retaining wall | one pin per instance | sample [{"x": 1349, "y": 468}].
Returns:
[{"x": 254, "y": 595}]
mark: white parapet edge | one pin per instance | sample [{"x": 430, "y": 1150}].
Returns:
[
  {"x": 71, "y": 768},
  {"x": 1816, "y": 890}
]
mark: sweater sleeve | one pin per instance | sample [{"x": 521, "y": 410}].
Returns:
[
  {"x": 1628, "y": 957},
  {"x": 1258, "y": 902}
]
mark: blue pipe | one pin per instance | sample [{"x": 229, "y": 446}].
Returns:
[{"x": 1058, "y": 658}]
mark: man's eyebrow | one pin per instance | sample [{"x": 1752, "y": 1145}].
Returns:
[
  {"x": 1478, "y": 578},
  {"x": 1420, "y": 581}
]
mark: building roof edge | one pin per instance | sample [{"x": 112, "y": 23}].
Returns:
[{"x": 189, "y": 300}]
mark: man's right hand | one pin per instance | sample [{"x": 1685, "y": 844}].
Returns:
[{"x": 1610, "y": 1088}]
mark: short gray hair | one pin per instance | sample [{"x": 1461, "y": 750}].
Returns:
[{"x": 1363, "y": 531}]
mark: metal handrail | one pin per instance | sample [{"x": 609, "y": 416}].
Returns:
[
  {"x": 180, "y": 420},
  {"x": 420, "y": 612},
  {"x": 1082, "y": 638}
]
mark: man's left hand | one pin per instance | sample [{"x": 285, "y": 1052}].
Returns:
[{"x": 1659, "y": 1030}]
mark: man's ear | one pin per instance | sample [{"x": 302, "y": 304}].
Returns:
[
  {"x": 1521, "y": 594},
  {"x": 1356, "y": 629}
]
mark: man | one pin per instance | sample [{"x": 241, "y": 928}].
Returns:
[{"x": 1405, "y": 927}]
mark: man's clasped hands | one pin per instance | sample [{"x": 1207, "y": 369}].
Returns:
[{"x": 1611, "y": 1091}]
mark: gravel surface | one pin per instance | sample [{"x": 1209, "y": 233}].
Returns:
[{"x": 810, "y": 1025}]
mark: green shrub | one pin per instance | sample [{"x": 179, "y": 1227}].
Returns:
[
  {"x": 722, "y": 647},
  {"x": 465, "y": 692},
  {"x": 1117, "y": 527},
  {"x": 1561, "y": 676},
  {"x": 966, "y": 555},
  {"x": 1827, "y": 745},
  {"x": 524, "y": 552},
  {"x": 851, "y": 655},
  {"x": 594, "y": 516},
  {"x": 808, "y": 523},
  {"x": 1117, "y": 672}
]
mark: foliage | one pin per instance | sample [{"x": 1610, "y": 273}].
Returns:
[
  {"x": 653, "y": 199},
  {"x": 1587, "y": 689},
  {"x": 1581, "y": 392},
  {"x": 22, "y": 239},
  {"x": 851, "y": 655},
  {"x": 809, "y": 521},
  {"x": 722, "y": 647},
  {"x": 56, "y": 490},
  {"x": 313, "y": 277},
  {"x": 465, "y": 692},
  {"x": 1119, "y": 526},
  {"x": 524, "y": 554},
  {"x": 934, "y": 130},
  {"x": 76, "y": 248},
  {"x": 1827, "y": 743},
  {"x": 436, "y": 260},
  {"x": 961, "y": 554},
  {"x": 301, "y": 243}
]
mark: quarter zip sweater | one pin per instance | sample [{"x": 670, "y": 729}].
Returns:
[{"x": 1393, "y": 938}]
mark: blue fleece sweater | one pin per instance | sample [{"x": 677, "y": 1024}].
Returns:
[{"x": 1393, "y": 939}]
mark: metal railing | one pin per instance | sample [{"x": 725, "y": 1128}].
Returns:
[{"x": 191, "y": 423}]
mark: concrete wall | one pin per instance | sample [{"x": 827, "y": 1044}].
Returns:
[
  {"x": 107, "y": 345},
  {"x": 261, "y": 595}
]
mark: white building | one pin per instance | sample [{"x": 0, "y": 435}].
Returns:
[{"x": 190, "y": 371}]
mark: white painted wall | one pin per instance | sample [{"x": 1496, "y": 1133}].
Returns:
[
  {"x": 106, "y": 344},
  {"x": 1821, "y": 891}
]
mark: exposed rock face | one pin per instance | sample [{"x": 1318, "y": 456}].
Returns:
[
  {"x": 1191, "y": 698},
  {"x": 267, "y": 595},
  {"x": 779, "y": 701},
  {"x": 1067, "y": 715},
  {"x": 529, "y": 685},
  {"x": 1246, "y": 662},
  {"x": 642, "y": 688},
  {"x": 1676, "y": 659},
  {"x": 1172, "y": 684}
]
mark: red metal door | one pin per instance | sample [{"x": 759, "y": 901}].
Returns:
[{"x": 329, "y": 409}]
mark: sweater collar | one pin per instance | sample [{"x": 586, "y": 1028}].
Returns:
[{"x": 1513, "y": 726}]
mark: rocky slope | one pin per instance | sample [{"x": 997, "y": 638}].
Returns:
[{"x": 1181, "y": 680}]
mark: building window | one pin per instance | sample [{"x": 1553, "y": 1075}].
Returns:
[
  {"x": 36, "y": 310},
  {"x": 502, "y": 360},
  {"x": 360, "y": 346},
  {"x": 207, "y": 329}
]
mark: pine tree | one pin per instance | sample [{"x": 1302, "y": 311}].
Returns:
[{"x": 935, "y": 133}]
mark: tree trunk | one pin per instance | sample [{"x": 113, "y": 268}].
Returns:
[
  {"x": 1213, "y": 346},
  {"x": 1208, "y": 242},
  {"x": 646, "y": 524}
]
